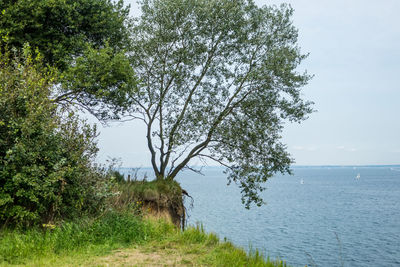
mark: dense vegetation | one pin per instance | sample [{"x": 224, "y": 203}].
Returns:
[
  {"x": 46, "y": 156},
  {"x": 57, "y": 57}
]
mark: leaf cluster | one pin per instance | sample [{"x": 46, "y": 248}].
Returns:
[
  {"x": 61, "y": 29},
  {"x": 100, "y": 81}
]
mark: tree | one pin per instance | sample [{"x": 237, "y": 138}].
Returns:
[
  {"x": 218, "y": 81},
  {"x": 84, "y": 39}
]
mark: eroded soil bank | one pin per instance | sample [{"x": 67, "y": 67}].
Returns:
[{"x": 158, "y": 199}]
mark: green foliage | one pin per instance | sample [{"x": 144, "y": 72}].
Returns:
[
  {"x": 119, "y": 178},
  {"x": 46, "y": 168},
  {"x": 218, "y": 81},
  {"x": 61, "y": 29},
  {"x": 101, "y": 80},
  {"x": 85, "y": 40}
]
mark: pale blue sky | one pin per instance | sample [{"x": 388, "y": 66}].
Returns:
[{"x": 354, "y": 50}]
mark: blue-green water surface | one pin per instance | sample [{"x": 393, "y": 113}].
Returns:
[{"x": 321, "y": 216}]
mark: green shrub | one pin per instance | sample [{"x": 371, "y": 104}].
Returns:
[{"x": 46, "y": 156}]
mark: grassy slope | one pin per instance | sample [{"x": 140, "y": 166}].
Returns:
[{"x": 121, "y": 239}]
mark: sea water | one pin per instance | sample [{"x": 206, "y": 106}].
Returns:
[{"x": 320, "y": 216}]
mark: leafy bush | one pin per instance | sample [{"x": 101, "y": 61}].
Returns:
[{"x": 46, "y": 168}]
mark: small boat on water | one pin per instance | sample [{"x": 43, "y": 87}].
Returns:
[
  {"x": 301, "y": 181},
  {"x": 358, "y": 176}
]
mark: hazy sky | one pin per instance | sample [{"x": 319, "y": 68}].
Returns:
[{"x": 354, "y": 51}]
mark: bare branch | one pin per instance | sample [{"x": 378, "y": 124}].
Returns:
[
  {"x": 133, "y": 117},
  {"x": 194, "y": 170},
  {"x": 227, "y": 110},
  {"x": 216, "y": 160},
  {"x": 177, "y": 158},
  {"x": 63, "y": 97},
  {"x": 189, "y": 98}
]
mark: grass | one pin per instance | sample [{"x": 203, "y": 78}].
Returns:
[
  {"x": 103, "y": 234},
  {"x": 203, "y": 249},
  {"x": 117, "y": 239},
  {"x": 146, "y": 190}
]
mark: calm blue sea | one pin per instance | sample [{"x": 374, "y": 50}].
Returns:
[{"x": 322, "y": 216}]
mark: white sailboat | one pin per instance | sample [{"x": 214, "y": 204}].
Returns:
[
  {"x": 301, "y": 181},
  {"x": 358, "y": 176}
]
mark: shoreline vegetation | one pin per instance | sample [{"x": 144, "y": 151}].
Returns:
[
  {"x": 122, "y": 239},
  {"x": 137, "y": 229}
]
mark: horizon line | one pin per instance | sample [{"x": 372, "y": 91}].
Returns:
[{"x": 295, "y": 165}]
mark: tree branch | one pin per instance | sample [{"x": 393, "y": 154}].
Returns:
[
  {"x": 180, "y": 117},
  {"x": 63, "y": 96},
  {"x": 216, "y": 160},
  {"x": 194, "y": 170},
  {"x": 152, "y": 151},
  {"x": 227, "y": 110}
]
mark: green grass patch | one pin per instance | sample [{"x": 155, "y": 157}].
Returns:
[
  {"x": 112, "y": 230},
  {"x": 87, "y": 241},
  {"x": 134, "y": 191},
  {"x": 205, "y": 249}
]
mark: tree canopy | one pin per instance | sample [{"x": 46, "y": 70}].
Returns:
[
  {"x": 218, "y": 79},
  {"x": 84, "y": 39},
  {"x": 61, "y": 29}
]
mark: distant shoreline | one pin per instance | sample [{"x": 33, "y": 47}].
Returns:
[
  {"x": 295, "y": 166},
  {"x": 347, "y": 166}
]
